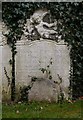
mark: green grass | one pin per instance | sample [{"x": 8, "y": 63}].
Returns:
[
  {"x": 0, "y": 110},
  {"x": 42, "y": 110}
]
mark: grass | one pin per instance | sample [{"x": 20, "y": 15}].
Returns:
[
  {"x": 42, "y": 110},
  {"x": 0, "y": 114},
  {"x": 0, "y": 110}
]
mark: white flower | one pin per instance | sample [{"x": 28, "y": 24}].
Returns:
[
  {"x": 41, "y": 108},
  {"x": 17, "y": 111}
]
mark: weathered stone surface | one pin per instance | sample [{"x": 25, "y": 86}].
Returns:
[
  {"x": 0, "y": 64},
  {"x": 31, "y": 58},
  {"x": 0, "y": 72},
  {"x": 44, "y": 89}
]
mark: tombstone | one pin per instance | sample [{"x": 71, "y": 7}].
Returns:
[{"x": 41, "y": 55}]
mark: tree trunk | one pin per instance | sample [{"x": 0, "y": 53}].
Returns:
[{"x": 13, "y": 74}]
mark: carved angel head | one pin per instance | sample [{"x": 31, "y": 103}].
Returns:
[{"x": 39, "y": 16}]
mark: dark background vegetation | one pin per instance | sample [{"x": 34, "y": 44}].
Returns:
[{"x": 70, "y": 25}]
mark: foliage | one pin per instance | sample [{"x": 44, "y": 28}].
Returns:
[
  {"x": 69, "y": 16},
  {"x": 47, "y": 70},
  {"x": 24, "y": 91},
  {"x": 8, "y": 78},
  {"x": 70, "y": 26}
]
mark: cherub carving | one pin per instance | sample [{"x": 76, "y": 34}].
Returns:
[{"x": 37, "y": 28}]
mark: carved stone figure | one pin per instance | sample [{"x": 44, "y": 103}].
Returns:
[
  {"x": 40, "y": 26},
  {"x": 30, "y": 32}
]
